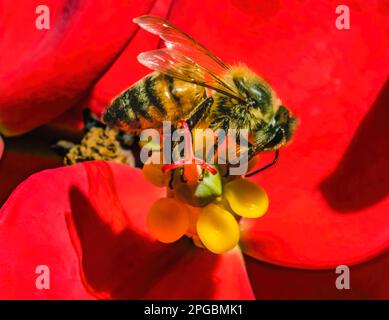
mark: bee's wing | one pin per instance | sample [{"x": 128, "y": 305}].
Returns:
[
  {"x": 179, "y": 66},
  {"x": 182, "y": 51}
]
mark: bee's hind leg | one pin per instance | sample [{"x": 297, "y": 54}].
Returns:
[
  {"x": 202, "y": 175},
  {"x": 197, "y": 114}
]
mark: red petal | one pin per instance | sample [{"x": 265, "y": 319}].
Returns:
[
  {"x": 44, "y": 72},
  {"x": 104, "y": 207},
  {"x": 368, "y": 280}
]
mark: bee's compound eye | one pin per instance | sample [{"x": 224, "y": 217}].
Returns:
[{"x": 261, "y": 94}]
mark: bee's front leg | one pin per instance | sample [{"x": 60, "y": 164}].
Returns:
[
  {"x": 182, "y": 175},
  {"x": 197, "y": 114},
  {"x": 277, "y": 152},
  {"x": 171, "y": 180}
]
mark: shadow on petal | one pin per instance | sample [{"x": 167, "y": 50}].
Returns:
[
  {"x": 86, "y": 223},
  {"x": 1, "y": 147},
  {"x": 362, "y": 177},
  {"x": 124, "y": 265},
  {"x": 119, "y": 263}
]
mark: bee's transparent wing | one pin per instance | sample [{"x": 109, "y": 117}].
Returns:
[
  {"x": 173, "y": 63},
  {"x": 202, "y": 65}
]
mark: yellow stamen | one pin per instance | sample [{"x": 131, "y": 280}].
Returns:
[
  {"x": 217, "y": 229},
  {"x": 246, "y": 198}
]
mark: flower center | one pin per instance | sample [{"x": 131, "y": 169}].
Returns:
[
  {"x": 208, "y": 215},
  {"x": 200, "y": 204}
]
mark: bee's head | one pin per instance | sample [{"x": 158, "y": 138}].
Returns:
[
  {"x": 282, "y": 127},
  {"x": 257, "y": 94}
]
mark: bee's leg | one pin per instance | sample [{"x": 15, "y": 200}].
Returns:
[
  {"x": 265, "y": 167},
  {"x": 216, "y": 148},
  {"x": 202, "y": 175},
  {"x": 182, "y": 177},
  {"x": 245, "y": 159},
  {"x": 226, "y": 164},
  {"x": 212, "y": 155},
  {"x": 171, "y": 179},
  {"x": 199, "y": 112},
  {"x": 173, "y": 145},
  {"x": 225, "y": 175}
]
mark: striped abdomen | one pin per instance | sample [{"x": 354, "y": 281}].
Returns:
[{"x": 150, "y": 101}]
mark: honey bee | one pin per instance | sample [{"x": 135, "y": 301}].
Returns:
[{"x": 190, "y": 83}]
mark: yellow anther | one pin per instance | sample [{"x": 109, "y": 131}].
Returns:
[
  {"x": 246, "y": 198},
  {"x": 217, "y": 229},
  {"x": 168, "y": 220}
]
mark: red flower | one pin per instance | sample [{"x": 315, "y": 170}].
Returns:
[{"x": 328, "y": 194}]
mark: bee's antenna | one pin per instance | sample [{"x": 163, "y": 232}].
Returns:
[{"x": 250, "y": 174}]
